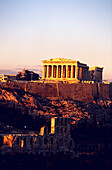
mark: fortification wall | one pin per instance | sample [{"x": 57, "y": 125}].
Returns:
[
  {"x": 80, "y": 92},
  {"x": 103, "y": 91},
  {"x": 110, "y": 91},
  {"x": 41, "y": 89},
  {"x": 94, "y": 88},
  {"x": 13, "y": 85}
]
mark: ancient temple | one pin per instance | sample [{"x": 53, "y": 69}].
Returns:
[{"x": 69, "y": 70}]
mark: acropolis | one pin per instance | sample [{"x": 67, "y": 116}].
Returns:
[{"x": 61, "y": 69}]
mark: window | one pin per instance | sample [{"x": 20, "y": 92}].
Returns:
[
  {"x": 57, "y": 129},
  {"x": 31, "y": 141},
  {"x": 25, "y": 141},
  {"x": 17, "y": 141},
  {"x": 57, "y": 121},
  {"x": 45, "y": 141},
  {"x": 61, "y": 130},
  {"x": 61, "y": 121}
]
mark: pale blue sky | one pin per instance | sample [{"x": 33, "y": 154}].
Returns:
[{"x": 32, "y": 30}]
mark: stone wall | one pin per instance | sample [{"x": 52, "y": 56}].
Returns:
[
  {"x": 13, "y": 85},
  {"x": 110, "y": 91},
  {"x": 59, "y": 140},
  {"x": 41, "y": 89},
  {"x": 94, "y": 90},
  {"x": 81, "y": 92},
  {"x": 103, "y": 91},
  {"x": 76, "y": 91}
]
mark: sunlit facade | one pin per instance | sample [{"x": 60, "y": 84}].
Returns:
[{"x": 70, "y": 70}]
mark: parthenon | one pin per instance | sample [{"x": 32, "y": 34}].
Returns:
[{"x": 67, "y": 69}]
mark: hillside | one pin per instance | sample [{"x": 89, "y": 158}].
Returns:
[{"x": 22, "y": 108}]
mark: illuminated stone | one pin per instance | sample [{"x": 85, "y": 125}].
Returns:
[{"x": 60, "y": 69}]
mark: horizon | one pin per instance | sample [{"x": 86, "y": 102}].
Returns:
[
  {"x": 36, "y": 68},
  {"x": 36, "y": 30}
]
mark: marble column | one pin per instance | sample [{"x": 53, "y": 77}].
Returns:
[
  {"x": 52, "y": 72},
  {"x": 76, "y": 72},
  {"x": 71, "y": 71},
  {"x": 57, "y": 71},
  {"x": 43, "y": 71},
  {"x": 61, "y": 71},
  {"x": 66, "y": 71},
  {"x": 47, "y": 71}
]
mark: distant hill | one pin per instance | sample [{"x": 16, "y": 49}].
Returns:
[
  {"x": 13, "y": 70},
  {"x": 27, "y": 75}
]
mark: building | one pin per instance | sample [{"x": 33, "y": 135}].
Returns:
[
  {"x": 7, "y": 78},
  {"x": 95, "y": 73},
  {"x": 61, "y": 69},
  {"x": 3, "y": 78},
  {"x": 58, "y": 140}
]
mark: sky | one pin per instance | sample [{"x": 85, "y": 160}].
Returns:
[{"x": 34, "y": 30}]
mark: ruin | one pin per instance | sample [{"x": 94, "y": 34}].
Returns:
[
  {"x": 58, "y": 140},
  {"x": 61, "y": 69}
]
